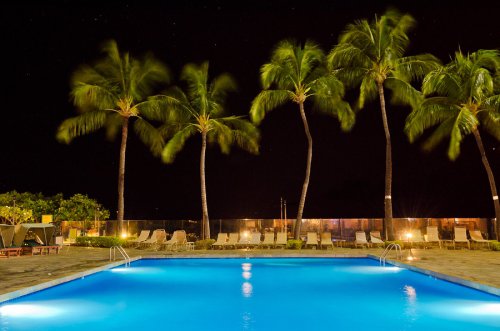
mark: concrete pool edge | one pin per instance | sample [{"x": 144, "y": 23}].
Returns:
[
  {"x": 39, "y": 287},
  {"x": 453, "y": 279}
]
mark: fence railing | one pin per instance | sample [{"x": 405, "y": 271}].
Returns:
[{"x": 339, "y": 228}]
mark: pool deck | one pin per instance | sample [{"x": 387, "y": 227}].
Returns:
[{"x": 16, "y": 273}]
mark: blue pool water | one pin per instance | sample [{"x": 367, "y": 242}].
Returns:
[{"x": 254, "y": 294}]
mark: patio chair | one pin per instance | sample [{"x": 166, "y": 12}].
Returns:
[
  {"x": 312, "y": 239},
  {"x": 416, "y": 238},
  {"x": 244, "y": 239},
  {"x": 158, "y": 236},
  {"x": 432, "y": 236},
  {"x": 232, "y": 240},
  {"x": 144, "y": 235},
  {"x": 268, "y": 240},
  {"x": 477, "y": 237},
  {"x": 460, "y": 236},
  {"x": 326, "y": 240},
  {"x": 254, "y": 239},
  {"x": 221, "y": 240},
  {"x": 281, "y": 240},
  {"x": 178, "y": 241},
  {"x": 376, "y": 238},
  {"x": 361, "y": 239}
]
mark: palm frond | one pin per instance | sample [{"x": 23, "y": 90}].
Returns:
[
  {"x": 235, "y": 130},
  {"x": 465, "y": 122},
  {"x": 145, "y": 75},
  {"x": 412, "y": 68},
  {"x": 266, "y": 101},
  {"x": 176, "y": 143},
  {"x": 403, "y": 92},
  {"x": 431, "y": 112},
  {"x": 490, "y": 122},
  {"x": 368, "y": 91},
  {"x": 481, "y": 85},
  {"x": 149, "y": 135},
  {"x": 443, "y": 131},
  {"x": 220, "y": 86},
  {"x": 81, "y": 125},
  {"x": 114, "y": 122},
  {"x": 443, "y": 83},
  {"x": 277, "y": 73}
]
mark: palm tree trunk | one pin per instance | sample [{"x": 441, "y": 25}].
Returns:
[
  {"x": 205, "y": 226},
  {"x": 308, "y": 172},
  {"x": 491, "y": 179},
  {"x": 388, "y": 226},
  {"x": 121, "y": 176}
]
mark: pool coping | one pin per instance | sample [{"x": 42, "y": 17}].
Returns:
[{"x": 39, "y": 287}]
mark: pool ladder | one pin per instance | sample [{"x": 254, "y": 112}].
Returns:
[
  {"x": 399, "y": 253},
  {"x": 112, "y": 254}
]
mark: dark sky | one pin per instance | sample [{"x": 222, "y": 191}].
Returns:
[{"x": 43, "y": 42}]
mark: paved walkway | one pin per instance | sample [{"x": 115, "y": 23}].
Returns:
[{"x": 19, "y": 272}]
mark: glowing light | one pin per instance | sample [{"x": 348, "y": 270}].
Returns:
[
  {"x": 411, "y": 293},
  {"x": 124, "y": 235},
  {"x": 247, "y": 289},
  {"x": 482, "y": 309},
  {"x": 245, "y": 234},
  {"x": 410, "y": 258},
  {"x": 29, "y": 311},
  {"x": 409, "y": 235},
  {"x": 246, "y": 266}
]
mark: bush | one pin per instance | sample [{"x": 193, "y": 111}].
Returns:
[
  {"x": 204, "y": 244},
  {"x": 495, "y": 245},
  {"x": 99, "y": 241},
  {"x": 294, "y": 244},
  {"x": 397, "y": 242}
]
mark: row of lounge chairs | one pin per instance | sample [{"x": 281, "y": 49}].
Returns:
[
  {"x": 252, "y": 240},
  {"x": 158, "y": 240},
  {"x": 459, "y": 237}
]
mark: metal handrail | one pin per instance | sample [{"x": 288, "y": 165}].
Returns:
[
  {"x": 112, "y": 254},
  {"x": 399, "y": 253}
]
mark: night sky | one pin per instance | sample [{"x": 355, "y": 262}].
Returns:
[{"x": 43, "y": 42}]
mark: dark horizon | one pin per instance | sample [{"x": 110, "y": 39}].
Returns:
[{"x": 45, "y": 42}]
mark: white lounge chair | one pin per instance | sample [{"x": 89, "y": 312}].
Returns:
[
  {"x": 416, "y": 238},
  {"x": 312, "y": 240},
  {"x": 477, "y": 237},
  {"x": 178, "y": 241},
  {"x": 221, "y": 240},
  {"x": 254, "y": 239},
  {"x": 376, "y": 239},
  {"x": 432, "y": 235},
  {"x": 268, "y": 240},
  {"x": 326, "y": 240},
  {"x": 144, "y": 235},
  {"x": 460, "y": 236},
  {"x": 281, "y": 240},
  {"x": 157, "y": 237},
  {"x": 232, "y": 240},
  {"x": 361, "y": 239}
]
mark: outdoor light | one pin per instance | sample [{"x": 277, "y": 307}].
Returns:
[
  {"x": 245, "y": 234},
  {"x": 409, "y": 235},
  {"x": 124, "y": 235}
]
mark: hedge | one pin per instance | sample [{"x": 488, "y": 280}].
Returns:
[{"x": 99, "y": 241}]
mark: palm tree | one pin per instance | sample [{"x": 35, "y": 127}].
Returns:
[
  {"x": 295, "y": 74},
  {"x": 109, "y": 95},
  {"x": 201, "y": 110},
  {"x": 370, "y": 55},
  {"x": 461, "y": 97}
]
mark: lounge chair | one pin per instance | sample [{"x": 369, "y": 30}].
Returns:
[
  {"x": 254, "y": 239},
  {"x": 477, "y": 237},
  {"x": 416, "y": 238},
  {"x": 178, "y": 241},
  {"x": 232, "y": 240},
  {"x": 157, "y": 237},
  {"x": 281, "y": 240},
  {"x": 326, "y": 240},
  {"x": 361, "y": 239},
  {"x": 432, "y": 235},
  {"x": 221, "y": 240},
  {"x": 312, "y": 239},
  {"x": 144, "y": 235},
  {"x": 460, "y": 236},
  {"x": 268, "y": 240},
  {"x": 73, "y": 233},
  {"x": 376, "y": 239},
  {"x": 244, "y": 239}
]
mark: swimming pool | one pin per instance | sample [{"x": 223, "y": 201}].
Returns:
[{"x": 254, "y": 294}]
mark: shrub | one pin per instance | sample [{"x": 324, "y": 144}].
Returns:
[
  {"x": 204, "y": 244},
  {"x": 294, "y": 244},
  {"x": 99, "y": 241},
  {"x": 495, "y": 245},
  {"x": 397, "y": 242}
]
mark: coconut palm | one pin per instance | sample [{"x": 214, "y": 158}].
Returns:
[
  {"x": 296, "y": 73},
  {"x": 109, "y": 95},
  {"x": 201, "y": 110},
  {"x": 460, "y": 98},
  {"x": 370, "y": 55}
]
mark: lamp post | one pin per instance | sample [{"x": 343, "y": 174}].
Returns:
[{"x": 409, "y": 235}]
